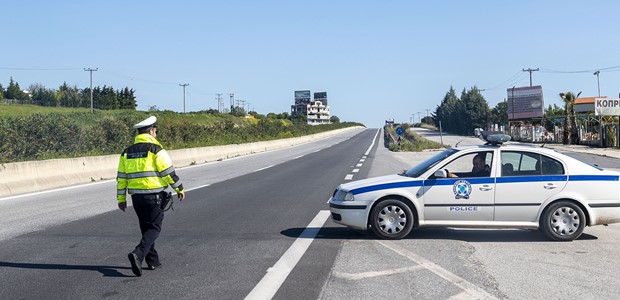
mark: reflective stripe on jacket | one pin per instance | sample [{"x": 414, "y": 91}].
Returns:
[{"x": 145, "y": 168}]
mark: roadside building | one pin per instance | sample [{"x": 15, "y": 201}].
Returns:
[{"x": 316, "y": 111}]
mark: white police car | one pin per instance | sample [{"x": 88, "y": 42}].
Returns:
[{"x": 516, "y": 187}]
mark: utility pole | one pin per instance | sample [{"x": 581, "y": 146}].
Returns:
[
  {"x": 427, "y": 112},
  {"x": 598, "y": 82},
  {"x": 219, "y": 99},
  {"x": 183, "y": 85},
  {"x": 530, "y": 70},
  {"x": 232, "y": 100},
  {"x": 419, "y": 117},
  {"x": 91, "y": 86}
]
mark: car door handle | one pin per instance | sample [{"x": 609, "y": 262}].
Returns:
[
  {"x": 550, "y": 186},
  {"x": 486, "y": 188}
]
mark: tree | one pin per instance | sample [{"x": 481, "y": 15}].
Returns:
[
  {"x": 499, "y": 113},
  {"x": 41, "y": 95},
  {"x": 1, "y": 92},
  {"x": 551, "y": 114},
  {"x": 238, "y": 111},
  {"x": 475, "y": 111},
  {"x": 13, "y": 91},
  {"x": 334, "y": 119},
  {"x": 569, "y": 108},
  {"x": 126, "y": 99},
  {"x": 447, "y": 111}
]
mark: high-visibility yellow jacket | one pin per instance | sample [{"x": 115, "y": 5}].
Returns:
[{"x": 145, "y": 168}]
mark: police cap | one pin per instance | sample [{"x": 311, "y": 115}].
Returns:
[{"x": 149, "y": 122}]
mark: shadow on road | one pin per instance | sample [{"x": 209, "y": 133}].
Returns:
[
  {"x": 466, "y": 235},
  {"x": 107, "y": 271}
]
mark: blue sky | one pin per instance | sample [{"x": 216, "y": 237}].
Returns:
[{"x": 375, "y": 59}]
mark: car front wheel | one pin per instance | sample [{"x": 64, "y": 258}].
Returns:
[
  {"x": 391, "y": 219},
  {"x": 563, "y": 221}
]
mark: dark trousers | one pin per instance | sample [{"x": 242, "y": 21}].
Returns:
[{"x": 150, "y": 217}]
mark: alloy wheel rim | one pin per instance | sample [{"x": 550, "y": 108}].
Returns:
[
  {"x": 392, "y": 219},
  {"x": 565, "y": 221}
]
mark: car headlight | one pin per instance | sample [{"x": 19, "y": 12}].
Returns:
[{"x": 349, "y": 197}]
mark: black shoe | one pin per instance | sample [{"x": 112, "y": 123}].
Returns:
[
  {"x": 153, "y": 267},
  {"x": 136, "y": 265}
]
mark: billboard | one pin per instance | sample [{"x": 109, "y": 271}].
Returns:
[
  {"x": 607, "y": 106},
  {"x": 321, "y": 96},
  {"x": 302, "y": 97},
  {"x": 525, "y": 102}
]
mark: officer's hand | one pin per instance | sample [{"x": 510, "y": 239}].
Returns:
[
  {"x": 122, "y": 205},
  {"x": 181, "y": 196}
]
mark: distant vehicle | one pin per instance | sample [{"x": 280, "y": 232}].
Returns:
[{"x": 521, "y": 187}]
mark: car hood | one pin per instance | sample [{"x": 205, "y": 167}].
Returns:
[{"x": 375, "y": 181}]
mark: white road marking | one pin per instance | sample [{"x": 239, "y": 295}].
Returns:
[
  {"x": 362, "y": 160},
  {"x": 348, "y": 177},
  {"x": 363, "y": 275},
  {"x": 198, "y": 187},
  {"x": 359, "y": 165},
  {"x": 470, "y": 290},
  {"x": 271, "y": 282},
  {"x": 355, "y": 170},
  {"x": 267, "y": 167},
  {"x": 296, "y": 157},
  {"x": 58, "y": 189},
  {"x": 373, "y": 142}
]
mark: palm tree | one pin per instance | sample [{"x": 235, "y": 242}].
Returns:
[{"x": 570, "y": 130}]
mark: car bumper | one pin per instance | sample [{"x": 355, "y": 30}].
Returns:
[
  {"x": 607, "y": 215},
  {"x": 350, "y": 213}
]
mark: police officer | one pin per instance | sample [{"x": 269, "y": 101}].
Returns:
[{"x": 145, "y": 171}]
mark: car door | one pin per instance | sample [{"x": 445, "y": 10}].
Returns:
[
  {"x": 527, "y": 179},
  {"x": 463, "y": 198}
]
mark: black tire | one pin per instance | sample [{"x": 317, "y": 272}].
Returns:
[
  {"x": 391, "y": 220},
  {"x": 563, "y": 221}
]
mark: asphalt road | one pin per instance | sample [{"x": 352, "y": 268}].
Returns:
[
  {"x": 243, "y": 219},
  {"x": 217, "y": 244}
]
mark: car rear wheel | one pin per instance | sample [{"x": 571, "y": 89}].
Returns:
[
  {"x": 563, "y": 221},
  {"x": 391, "y": 219}
]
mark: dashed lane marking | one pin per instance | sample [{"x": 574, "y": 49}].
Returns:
[
  {"x": 355, "y": 170},
  {"x": 348, "y": 177}
]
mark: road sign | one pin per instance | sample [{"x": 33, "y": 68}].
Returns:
[{"x": 399, "y": 130}]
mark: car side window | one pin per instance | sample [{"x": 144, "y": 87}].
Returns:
[
  {"x": 551, "y": 166},
  {"x": 477, "y": 164},
  {"x": 515, "y": 163}
]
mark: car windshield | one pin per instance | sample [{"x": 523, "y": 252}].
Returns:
[{"x": 422, "y": 167}]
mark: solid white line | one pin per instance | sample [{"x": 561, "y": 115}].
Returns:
[
  {"x": 271, "y": 282},
  {"x": 373, "y": 142},
  {"x": 355, "y": 170},
  {"x": 297, "y": 157},
  {"x": 58, "y": 189},
  {"x": 348, "y": 177},
  {"x": 472, "y": 291}
]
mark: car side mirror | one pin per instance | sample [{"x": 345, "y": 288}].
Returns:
[{"x": 441, "y": 173}]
